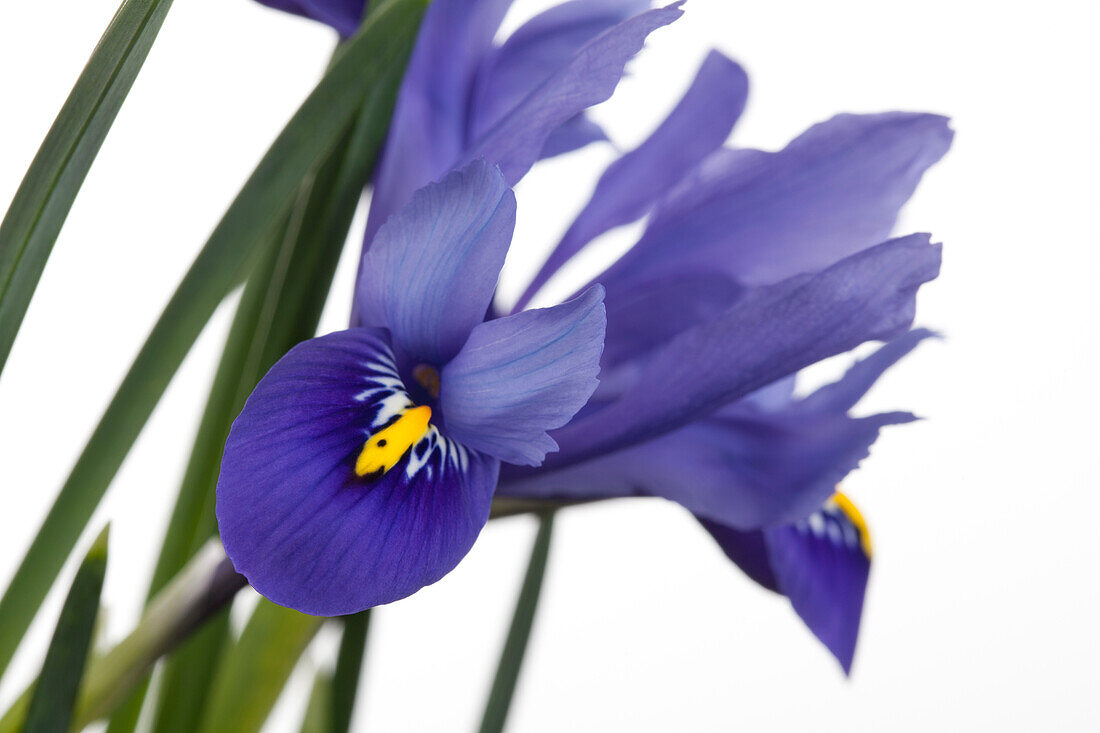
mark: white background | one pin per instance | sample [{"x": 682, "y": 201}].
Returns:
[{"x": 983, "y": 606}]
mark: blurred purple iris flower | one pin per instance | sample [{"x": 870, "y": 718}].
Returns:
[{"x": 752, "y": 266}]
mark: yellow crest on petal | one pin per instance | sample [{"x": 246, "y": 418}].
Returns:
[{"x": 385, "y": 448}]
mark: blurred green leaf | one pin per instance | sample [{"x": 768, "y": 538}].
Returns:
[
  {"x": 253, "y": 672},
  {"x": 515, "y": 646},
  {"x": 54, "y": 696},
  {"x": 349, "y": 665},
  {"x": 50, "y": 185},
  {"x": 317, "y": 718},
  {"x": 364, "y": 76}
]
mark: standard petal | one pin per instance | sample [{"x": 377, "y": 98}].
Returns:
[
  {"x": 769, "y": 333},
  {"x": 522, "y": 375},
  {"x": 630, "y": 186},
  {"x": 821, "y": 564},
  {"x": 763, "y": 217},
  {"x": 588, "y": 78},
  {"x": 343, "y": 15},
  {"x": 297, "y": 520},
  {"x": 428, "y": 131},
  {"x": 431, "y": 273},
  {"x": 536, "y": 50},
  {"x": 739, "y": 468}
]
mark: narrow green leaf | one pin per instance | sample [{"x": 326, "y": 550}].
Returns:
[
  {"x": 319, "y": 708},
  {"x": 349, "y": 665},
  {"x": 51, "y": 704},
  {"x": 50, "y": 185},
  {"x": 364, "y": 76},
  {"x": 515, "y": 646},
  {"x": 253, "y": 672}
]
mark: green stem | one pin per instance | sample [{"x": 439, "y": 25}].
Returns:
[
  {"x": 349, "y": 664},
  {"x": 515, "y": 646}
]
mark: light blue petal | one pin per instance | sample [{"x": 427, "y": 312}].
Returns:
[
  {"x": 522, "y": 375},
  {"x": 431, "y": 273}
]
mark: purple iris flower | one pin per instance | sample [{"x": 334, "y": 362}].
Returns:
[
  {"x": 363, "y": 465},
  {"x": 752, "y": 265}
]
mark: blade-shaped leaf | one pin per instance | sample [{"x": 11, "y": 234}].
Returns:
[
  {"x": 363, "y": 77},
  {"x": 51, "y": 705},
  {"x": 349, "y": 665},
  {"x": 317, "y": 718},
  {"x": 515, "y": 645},
  {"x": 50, "y": 185},
  {"x": 253, "y": 672}
]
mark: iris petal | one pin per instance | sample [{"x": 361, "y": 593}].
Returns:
[
  {"x": 768, "y": 334},
  {"x": 739, "y": 468},
  {"x": 522, "y": 375},
  {"x": 431, "y": 273},
  {"x": 763, "y": 217},
  {"x": 428, "y": 131},
  {"x": 696, "y": 127},
  {"x": 295, "y": 518},
  {"x": 536, "y": 50},
  {"x": 588, "y": 78},
  {"x": 821, "y": 564}
]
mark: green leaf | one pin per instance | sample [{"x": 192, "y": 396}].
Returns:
[
  {"x": 349, "y": 664},
  {"x": 364, "y": 76},
  {"x": 51, "y": 704},
  {"x": 50, "y": 185},
  {"x": 253, "y": 672},
  {"x": 515, "y": 646},
  {"x": 319, "y": 708}
]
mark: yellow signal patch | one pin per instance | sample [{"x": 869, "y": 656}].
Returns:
[{"x": 384, "y": 449}]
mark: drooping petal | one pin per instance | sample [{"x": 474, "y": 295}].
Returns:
[
  {"x": 536, "y": 50},
  {"x": 343, "y": 15},
  {"x": 588, "y": 78},
  {"x": 630, "y": 186},
  {"x": 299, "y": 522},
  {"x": 522, "y": 375},
  {"x": 428, "y": 131},
  {"x": 769, "y": 333},
  {"x": 821, "y": 564},
  {"x": 431, "y": 273},
  {"x": 763, "y": 217},
  {"x": 740, "y": 468}
]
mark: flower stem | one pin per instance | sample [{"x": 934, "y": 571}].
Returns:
[{"x": 515, "y": 645}]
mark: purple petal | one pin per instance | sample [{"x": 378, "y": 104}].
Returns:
[
  {"x": 522, "y": 375},
  {"x": 588, "y": 78},
  {"x": 740, "y": 468},
  {"x": 573, "y": 135},
  {"x": 630, "y": 186},
  {"x": 295, "y": 518},
  {"x": 431, "y": 273},
  {"x": 343, "y": 15},
  {"x": 843, "y": 394},
  {"x": 769, "y": 333},
  {"x": 428, "y": 131},
  {"x": 821, "y": 564},
  {"x": 535, "y": 51},
  {"x": 763, "y": 217}
]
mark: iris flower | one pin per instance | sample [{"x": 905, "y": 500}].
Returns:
[
  {"x": 363, "y": 465},
  {"x": 752, "y": 266}
]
